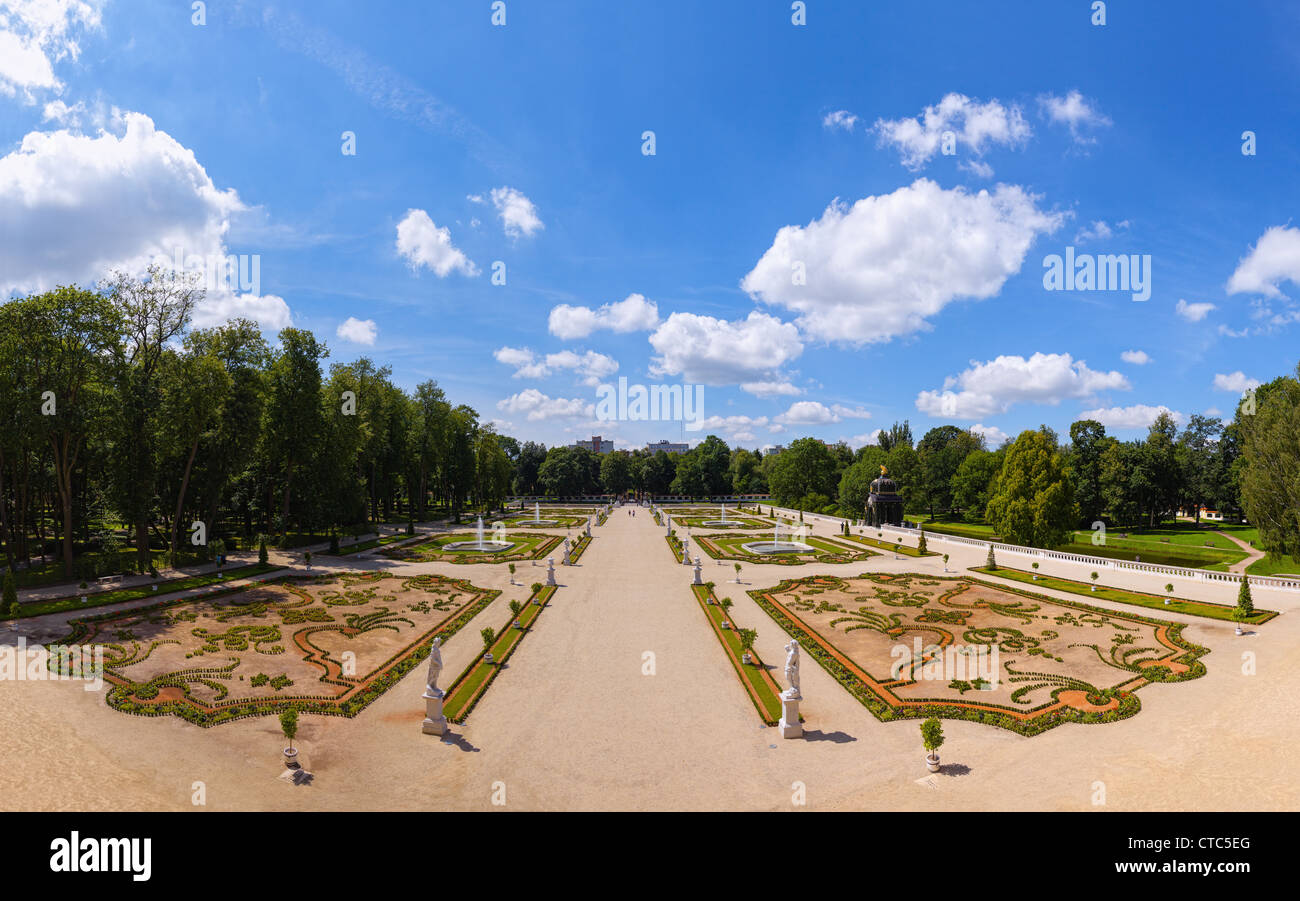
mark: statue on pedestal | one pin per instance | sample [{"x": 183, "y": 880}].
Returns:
[
  {"x": 435, "y": 664},
  {"x": 792, "y": 668}
]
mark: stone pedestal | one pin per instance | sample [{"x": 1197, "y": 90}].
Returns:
[
  {"x": 790, "y": 726},
  {"x": 550, "y": 571},
  {"x": 698, "y": 579},
  {"x": 434, "y": 722}
]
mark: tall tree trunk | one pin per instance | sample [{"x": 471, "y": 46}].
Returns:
[{"x": 180, "y": 502}]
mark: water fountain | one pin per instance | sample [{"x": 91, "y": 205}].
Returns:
[
  {"x": 482, "y": 545},
  {"x": 537, "y": 517},
  {"x": 777, "y": 546},
  {"x": 723, "y": 522}
]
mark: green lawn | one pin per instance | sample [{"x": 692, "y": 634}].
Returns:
[
  {"x": 356, "y": 548},
  {"x": 1124, "y": 596},
  {"x": 758, "y": 678},
  {"x": 1273, "y": 564},
  {"x": 102, "y": 598}
]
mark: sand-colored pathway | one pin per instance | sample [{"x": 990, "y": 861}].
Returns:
[{"x": 622, "y": 699}]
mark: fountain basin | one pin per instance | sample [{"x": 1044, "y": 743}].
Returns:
[
  {"x": 777, "y": 547},
  {"x": 482, "y": 547},
  {"x": 722, "y": 524}
]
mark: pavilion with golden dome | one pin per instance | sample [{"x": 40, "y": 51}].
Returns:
[{"x": 884, "y": 503}]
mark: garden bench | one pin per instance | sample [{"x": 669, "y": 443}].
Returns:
[{"x": 109, "y": 580}]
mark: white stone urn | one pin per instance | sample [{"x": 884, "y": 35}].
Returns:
[
  {"x": 932, "y": 761},
  {"x": 1239, "y": 632},
  {"x": 487, "y": 658},
  {"x": 746, "y": 659},
  {"x": 291, "y": 758}
]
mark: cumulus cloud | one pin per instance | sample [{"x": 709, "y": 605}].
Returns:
[
  {"x": 37, "y": 34},
  {"x": 736, "y": 428},
  {"x": 358, "y": 331},
  {"x": 71, "y": 210},
  {"x": 1192, "y": 312},
  {"x": 536, "y": 406},
  {"x": 721, "y": 352},
  {"x": 863, "y": 440},
  {"x": 812, "y": 412},
  {"x": 977, "y": 126},
  {"x": 268, "y": 310},
  {"x": 986, "y": 389},
  {"x": 1234, "y": 382},
  {"x": 1136, "y": 357},
  {"x": 517, "y": 212},
  {"x": 632, "y": 314},
  {"x": 1274, "y": 259},
  {"x": 1076, "y": 112},
  {"x": 426, "y": 246},
  {"x": 1138, "y": 416},
  {"x": 879, "y": 268},
  {"x": 993, "y": 436},
  {"x": 840, "y": 119},
  {"x": 590, "y": 367},
  {"x": 770, "y": 389}
]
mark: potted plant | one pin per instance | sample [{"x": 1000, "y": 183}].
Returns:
[
  {"x": 1094, "y": 580},
  {"x": 747, "y": 638},
  {"x": 737, "y": 573},
  {"x": 945, "y": 562},
  {"x": 1245, "y": 608},
  {"x": 153, "y": 577},
  {"x": 306, "y": 556},
  {"x": 726, "y": 605},
  {"x": 1035, "y": 566},
  {"x": 1169, "y": 589},
  {"x": 512, "y": 574},
  {"x": 932, "y": 738},
  {"x": 517, "y": 608},
  {"x": 289, "y": 726},
  {"x": 489, "y": 636},
  {"x": 537, "y": 594}
]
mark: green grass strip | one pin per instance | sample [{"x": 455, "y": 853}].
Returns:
[
  {"x": 1124, "y": 596},
  {"x": 763, "y": 696}
]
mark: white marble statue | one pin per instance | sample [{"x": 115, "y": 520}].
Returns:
[
  {"x": 792, "y": 667},
  {"x": 435, "y": 664}
]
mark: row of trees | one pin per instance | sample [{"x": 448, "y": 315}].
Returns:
[{"x": 115, "y": 412}]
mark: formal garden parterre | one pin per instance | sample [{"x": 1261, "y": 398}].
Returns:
[
  {"x": 525, "y": 546},
  {"x": 893, "y": 641},
  {"x": 338, "y": 641}
]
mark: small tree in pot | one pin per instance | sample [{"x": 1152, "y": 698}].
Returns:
[
  {"x": 932, "y": 738},
  {"x": 1245, "y": 608},
  {"x": 747, "y": 639},
  {"x": 517, "y": 608},
  {"x": 945, "y": 562},
  {"x": 489, "y": 636},
  {"x": 1095, "y": 576},
  {"x": 289, "y": 726}
]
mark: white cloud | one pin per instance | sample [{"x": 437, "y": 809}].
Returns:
[
  {"x": 1192, "y": 312},
  {"x": 537, "y": 406},
  {"x": 736, "y": 428},
  {"x": 993, "y": 436},
  {"x": 71, "y": 209},
  {"x": 812, "y": 412},
  {"x": 1136, "y": 357},
  {"x": 977, "y": 126},
  {"x": 36, "y": 34},
  {"x": 59, "y": 112},
  {"x": 1138, "y": 416},
  {"x": 978, "y": 168},
  {"x": 518, "y": 215},
  {"x": 1234, "y": 382},
  {"x": 720, "y": 352},
  {"x": 1274, "y": 259},
  {"x": 632, "y": 314},
  {"x": 878, "y": 269},
  {"x": 991, "y": 388},
  {"x": 358, "y": 331},
  {"x": 1098, "y": 230},
  {"x": 268, "y": 310},
  {"x": 840, "y": 119},
  {"x": 590, "y": 367},
  {"x": 424, "y": 245},
  {"x": 863, "y": 440},
  {"x": 1075, "y": 111},
  {"x": 770, "y": 389}
]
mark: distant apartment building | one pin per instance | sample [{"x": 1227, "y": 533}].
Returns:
[
  {"x": 774, "y": 450},
  {"x": 667, "y": 447},
  {"x": 597, "y": 445}
]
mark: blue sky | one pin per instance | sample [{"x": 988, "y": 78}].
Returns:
[{"x": 126, "y": 130}]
